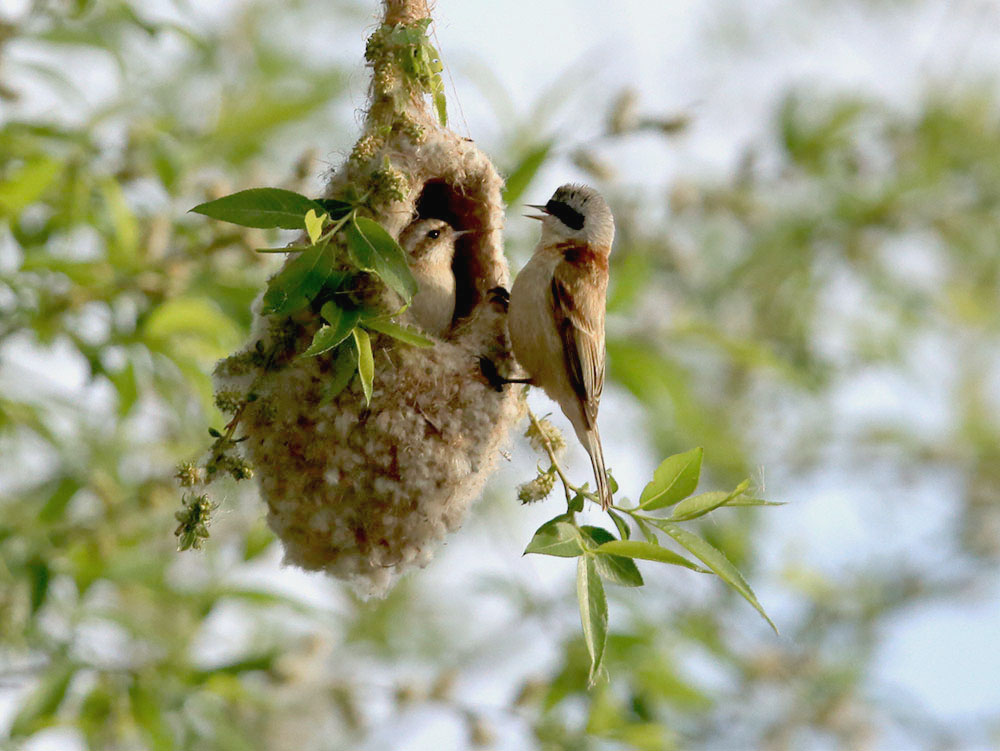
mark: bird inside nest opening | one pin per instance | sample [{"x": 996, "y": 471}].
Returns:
[
  {"x": 443, "y": 247},
  {"x": 430, "y": 249}
]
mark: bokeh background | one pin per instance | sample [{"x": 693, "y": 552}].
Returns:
[{"x": 806, "y": 282}]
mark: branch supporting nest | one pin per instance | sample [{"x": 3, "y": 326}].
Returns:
[{"x": 405, "y": 12}]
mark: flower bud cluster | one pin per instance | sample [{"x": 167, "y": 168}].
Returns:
[
  {"x": 541, "y": 431},
  {"x": 538, "y": 489}
]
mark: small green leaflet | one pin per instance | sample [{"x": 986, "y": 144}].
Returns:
[
  {"x": 674, "y": 479},
  {"x": 593, "y": 612},
  {"x": 422, "y": 62},
  {"x": 440, "y": 103},
  {"x": 556, "y": 537},
  {"x": 301, "y": 279},
  {"x": 341, "y": 324},
  {"x": 520, "y": 178},
  {"x": 612, "y": 482},
  {"x": 745, "y": 500},
  {"x": 366, "y": 361},
  {"x": 314, "y": 225},
  {"x": 648, "y": 533},
  {"x": 614, "y": 568},
  {"x": 263, "y": 208},
  {"x": 648, "y": 551},
  {"x": 345, "y": 365},
  {"x": 26, "y": 184},
  {"x": 38, "y": 709},
  {"x": 699, "y": 505},
  {"x": 623, "y": 531},
  {"x": 373, "y": 249},
  {"x": 403, "y": 333},
  {"x": 336, "y": 209},
  {"x": 717, "y": 561}
]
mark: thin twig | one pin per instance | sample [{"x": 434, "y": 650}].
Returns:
[{"x": 547, "y": 445}]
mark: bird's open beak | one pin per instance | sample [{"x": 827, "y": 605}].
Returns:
[{"x": 541, "y": 208}]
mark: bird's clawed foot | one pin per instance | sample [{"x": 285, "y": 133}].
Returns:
[
  {"x": 493, "y": 377},
  {"x": 490, "y": 373}
]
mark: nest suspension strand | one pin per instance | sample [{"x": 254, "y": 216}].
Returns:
[{"x": 365, "y": 492}]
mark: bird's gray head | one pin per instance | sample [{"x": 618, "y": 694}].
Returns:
[
  {"x": 430, "y": 241},
  {"x": 578, "y": 213}
]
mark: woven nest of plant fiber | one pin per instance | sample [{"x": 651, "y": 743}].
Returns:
[{"x": 365, "y": 492}]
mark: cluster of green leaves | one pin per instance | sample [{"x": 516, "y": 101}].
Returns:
[
  {"x": 602, "y": 556},
  {"x": 318, "y": 275},
  {"x": 414, "y": 55}
]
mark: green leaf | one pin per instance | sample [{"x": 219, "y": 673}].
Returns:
[
  {"x": 441, "y": 104},
  {"x": 39, "y": 574},
  {"x": 403, "y": 333},
  {"x": 366, "y": 361},
  {"x": 612, "y": 482},
  {"x": 614, "y": 568},
  {"x": 522, "y": 175},
  {"x": 336, "y": 209},
  {"x": 345, "y": 365},
  {"x": 148, "y": 714},
  {"x": 699, "y": 505},
  {"x": 186, "y": 321},
  {"x": 373, "y": 249},
  {"x": 314, "y": 225},
  {"x": 576, "y": 503},
  {"x": 62, "y": 494},
  {"x": 556, "y": 537},
  {"x": 126, "y": 386},
  {"x": 648, "y": 533},
  {"x": 301, "y": 279},
  {"x": 257, "y": 539},
  {"x": 341, "y": 324},
  {"x": 745, "y": 500},
  {"x": 263, "y": 208},
  {"x": 593, "y": 612},
  {"x": 123, "y": 243},
  {"x": 648, "y": 551},
  {"x": 623, "y": 530},
  {"x": 37, "y": 711},
  {"x": 27, "y": 184},
  {"x": 674, "y": 479},
  {"x": 717, "y": 561}
]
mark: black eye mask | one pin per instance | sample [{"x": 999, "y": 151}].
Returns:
[{"x": 565, "y": 214}]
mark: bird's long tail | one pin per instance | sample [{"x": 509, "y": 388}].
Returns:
[{"x": 593, "y": 446}]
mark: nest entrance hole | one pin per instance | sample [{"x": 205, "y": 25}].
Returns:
[{"x": 464, "y": 209}]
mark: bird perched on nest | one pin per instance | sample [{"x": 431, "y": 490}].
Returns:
[
  {"x": 556, "y": 313},
  {"x": 430, "y": 248}
]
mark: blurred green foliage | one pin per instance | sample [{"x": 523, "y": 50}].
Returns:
[{"x": 862, "y": 241}]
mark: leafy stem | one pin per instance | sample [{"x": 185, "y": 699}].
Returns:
[
  {"x": 550, "y": 451},
  {"x": 605, "y": 557},
  {"x": 337, "y": 226}
]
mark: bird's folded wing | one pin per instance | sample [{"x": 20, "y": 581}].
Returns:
[{"x": 578, "y": 307}]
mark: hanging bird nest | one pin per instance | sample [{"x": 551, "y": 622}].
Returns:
[{"x": 360, "y": 491}]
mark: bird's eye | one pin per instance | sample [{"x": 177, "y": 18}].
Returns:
[{"x": 434, "y": 234}]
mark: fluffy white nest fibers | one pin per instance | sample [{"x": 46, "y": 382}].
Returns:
[{"x": 365, "y": 492}]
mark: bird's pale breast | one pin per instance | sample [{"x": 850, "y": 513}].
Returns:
[
  {"x": 532, "y": 328},
  {"x": 434, "y": 304}
]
